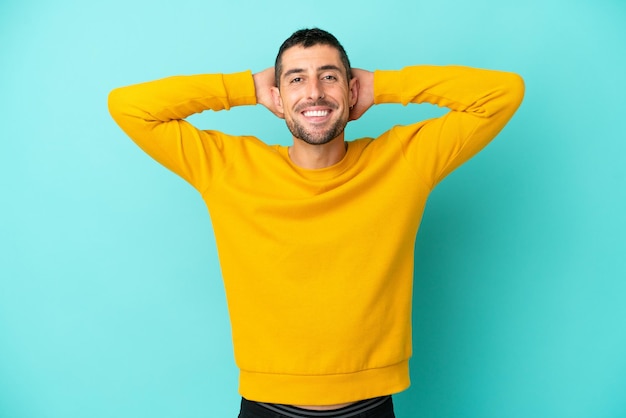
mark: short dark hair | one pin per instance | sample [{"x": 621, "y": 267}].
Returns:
[{"x": 308, "y": 38}]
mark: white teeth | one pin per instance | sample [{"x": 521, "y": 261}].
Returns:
[{"x": 314, "y": 113}]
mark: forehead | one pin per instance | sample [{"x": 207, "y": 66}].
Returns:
[{"x": 312, "y": 57}]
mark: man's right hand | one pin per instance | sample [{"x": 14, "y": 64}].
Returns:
[{"x": 264, "y": 81}]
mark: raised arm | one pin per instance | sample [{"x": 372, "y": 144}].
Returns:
[
  {"x": 481, "y": 102},
  {"x": 264, "y": 81},
  {"x": 153, "y": 113}
]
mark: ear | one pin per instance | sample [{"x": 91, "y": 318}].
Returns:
[
  {"x": 278, "y": 101},
  {"x": 354, "y": 91}
]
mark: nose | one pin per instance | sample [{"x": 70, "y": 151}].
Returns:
[{"x": 316, "y": 89}]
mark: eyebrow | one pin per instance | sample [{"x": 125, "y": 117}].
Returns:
[{"x": 322, "y": 68}]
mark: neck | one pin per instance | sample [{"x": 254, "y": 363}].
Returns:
[{"x": 314, "y": 157}]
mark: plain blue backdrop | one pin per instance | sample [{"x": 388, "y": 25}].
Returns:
[{"x": 111, "y": 302}]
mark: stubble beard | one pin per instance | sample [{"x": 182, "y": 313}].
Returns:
[
  {"x": 312, "y": 137},
  {"x": 316, "y": 138}
]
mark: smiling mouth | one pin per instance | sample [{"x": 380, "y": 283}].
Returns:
[{"x": 315, "y": 113}]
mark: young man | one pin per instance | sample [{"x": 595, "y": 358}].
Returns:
[{"x": 316, "y": 239}]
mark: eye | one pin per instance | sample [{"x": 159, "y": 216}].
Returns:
[
  {"x": 296, "y": 80},
  {"x": 329, "y": 77}
]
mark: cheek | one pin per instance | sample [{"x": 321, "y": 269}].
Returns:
[{"x": 286, "y": 102}]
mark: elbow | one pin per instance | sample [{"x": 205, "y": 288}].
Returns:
[
  {"x": 509, "y": 94},
  {"x": 120, "y": 105},
  {"x": 114, "y": 102},
  {"x": 516, "y": 89}
]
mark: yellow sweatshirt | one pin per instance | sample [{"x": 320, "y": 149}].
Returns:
[{"x": 318, "y": 264}]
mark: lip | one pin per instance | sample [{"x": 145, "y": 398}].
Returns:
[{"x": 316, "y": 113}]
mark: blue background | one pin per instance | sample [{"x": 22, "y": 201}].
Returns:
[{"x": 111, "y": 303}]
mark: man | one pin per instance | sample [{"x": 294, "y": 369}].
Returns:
[{"x": 316, "y": 239}]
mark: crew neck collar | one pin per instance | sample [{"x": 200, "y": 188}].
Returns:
[{"x": 325, "y": 173}]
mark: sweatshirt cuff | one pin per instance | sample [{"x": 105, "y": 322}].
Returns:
[
  {"x": 386, "y": 87},
  {"x": 240, "y": 88}
]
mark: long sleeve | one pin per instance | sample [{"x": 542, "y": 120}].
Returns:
[
  {"x": 481, "y": 102},
  {"x": 153, "y": 113}
]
